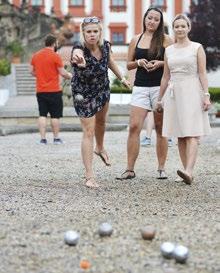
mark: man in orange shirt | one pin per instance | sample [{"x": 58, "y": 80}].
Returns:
[{"x": 46, "y": 66}]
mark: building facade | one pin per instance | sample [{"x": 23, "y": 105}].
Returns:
[{"x": 121, "y": 19}]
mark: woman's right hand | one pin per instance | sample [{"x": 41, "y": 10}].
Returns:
[
  {"x": 79, "y": 60},
  {"x": 159, "y": 107},
  {"x": 143, "y": 63}
]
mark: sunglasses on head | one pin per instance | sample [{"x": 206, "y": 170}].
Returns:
[{"x": 88, "y": 20}]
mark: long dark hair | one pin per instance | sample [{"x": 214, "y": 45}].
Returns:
[{"x": 158, "y": 36}]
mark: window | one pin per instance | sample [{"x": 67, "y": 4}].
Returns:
[
  {"x": 37, "y": 2},
  {"x": 118, "y": 5},
  {"x": 118, "y": 38},
  {"x": 118, "y": 33},
  {"x": 76, "y": 2},
  {"x": 158, "y": 3},
  {"x": 118, "y": 2}
]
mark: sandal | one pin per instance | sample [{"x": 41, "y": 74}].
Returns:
[
  {"x": 186, "y": 178},
  {"x": 91, "y": 183},
  {"x": 128, "y": 176},
  {"x": 104, "y": 157},
  {"x": 161, "y": 174}
]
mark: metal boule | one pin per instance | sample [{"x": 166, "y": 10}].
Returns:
[
  {"x": 78, "y": 97},
  {"x": 181, "y": 254},
  {"x": 71, "y": 238},
  {"x": 167, "y": 249},
  {"x": 105, "y": 229},
  {"x": 148, "y": 232}
]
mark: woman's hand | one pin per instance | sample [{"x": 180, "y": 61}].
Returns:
[
  {"x": 143, "y": 63},
  {"x": 126, "y": 83},
  {"x": 154, "y": 64},
  {"x": 159, "y": 107},
  {"x": 206, "y": 103},
  {"x": 79, "y": 60}
]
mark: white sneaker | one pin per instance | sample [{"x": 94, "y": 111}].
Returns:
[
  {"x": 145, "y": 141},
  {"x": 57, "y": 141},
  {"x": 170, "y": 142},
  {"x": 162, "y": 174}
]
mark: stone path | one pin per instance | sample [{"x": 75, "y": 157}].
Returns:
[{"x": 43, "y": 195}]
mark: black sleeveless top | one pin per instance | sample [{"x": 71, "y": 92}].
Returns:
[{"x": 143, "y": 77}]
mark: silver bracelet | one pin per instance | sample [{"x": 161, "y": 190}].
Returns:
[
  {"x": 207, "y": 94},
  {"x": 123, "y": 79}
]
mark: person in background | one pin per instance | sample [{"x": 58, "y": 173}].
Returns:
[
  {"x": 146, "y": 52},
  {"x": 149, "y": 126},
  {"x": 187, "y": 100},
  {"x": 46, "y": 66},
  {"x": 91, "y": 93}
]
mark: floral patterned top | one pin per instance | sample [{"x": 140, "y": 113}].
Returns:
[{"x": 91, "y": 83}]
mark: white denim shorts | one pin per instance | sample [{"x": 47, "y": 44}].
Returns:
[{"x": 145, "y": 97}]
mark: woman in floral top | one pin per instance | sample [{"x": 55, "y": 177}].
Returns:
[{"x": 91, "y": 93}]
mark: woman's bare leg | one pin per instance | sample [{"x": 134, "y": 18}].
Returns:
[
  {"x": 137, "y": 117},
  {"x": 100, "y": 122},
  {"x": 162, "y": 144},
  {"x": 182, "y": 150},
  {"x": 191, "y": 154},
  {"x": 88, "y": 126}
]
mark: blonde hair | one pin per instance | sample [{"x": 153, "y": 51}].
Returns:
[
  {"x": 82, "y": 38},
  {"x": 184, "y": 17}
]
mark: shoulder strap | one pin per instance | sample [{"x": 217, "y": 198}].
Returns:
[{"x": 139, "y": 39}]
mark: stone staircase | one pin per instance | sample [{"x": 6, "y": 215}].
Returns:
[{"x": 25, "y": 82}]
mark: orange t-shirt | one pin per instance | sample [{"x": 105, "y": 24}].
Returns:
[{"x": 46, "y": 63}]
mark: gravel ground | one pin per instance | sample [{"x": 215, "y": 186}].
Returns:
[{"x": 43, "y": 195}]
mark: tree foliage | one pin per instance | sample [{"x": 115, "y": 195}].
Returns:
[{"x": 205, "y": 16}]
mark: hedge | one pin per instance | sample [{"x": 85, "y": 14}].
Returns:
[
  {"x": 5, "y": 67},
  {"x": 119, "y": 90},
  {"x": 214, "y": 94}
]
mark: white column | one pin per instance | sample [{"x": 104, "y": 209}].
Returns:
[
  {"x": 186, "y": 6},
  {"x": 130, "y": 17},
  {"x": 48, "y": 6},
  {"x": 145, "y": 6},
  {"x": 88, "y": 6},
  {"x": 170, "y": 13},
  {"x": 64, "y": 6}
]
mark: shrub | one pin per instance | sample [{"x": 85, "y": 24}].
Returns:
[
  {"x": 118, "y": 87},
  {"x": 5, "y": 67},
  {"x": 215, "y": 94},
  {"x": 15, "y": 48}
]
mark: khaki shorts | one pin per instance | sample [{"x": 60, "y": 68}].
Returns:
[{"x": 145, "y": 97}]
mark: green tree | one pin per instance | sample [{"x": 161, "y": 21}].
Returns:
[{"x": 205, "y": 16}]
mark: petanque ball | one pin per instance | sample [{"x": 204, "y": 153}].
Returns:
[
  {"x": 148, "y": 232},
  {"x": 181, "y": 254},
  {"x": 71, "y": 238},
  {"x": 167, "y": 249},
  {"x": 105, "y": 229}
]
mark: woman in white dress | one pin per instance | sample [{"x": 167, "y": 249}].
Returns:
[{"x": 186, "y": 100}]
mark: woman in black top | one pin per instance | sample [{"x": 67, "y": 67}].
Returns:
[
  {"x": 146, "y": 52},
  {"x": 91, "y": 93}
]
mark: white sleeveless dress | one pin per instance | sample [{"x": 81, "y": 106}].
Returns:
[{"x": 183, "y": 113}]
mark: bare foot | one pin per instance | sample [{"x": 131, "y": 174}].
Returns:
[{"x": 91, "y": 183}]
